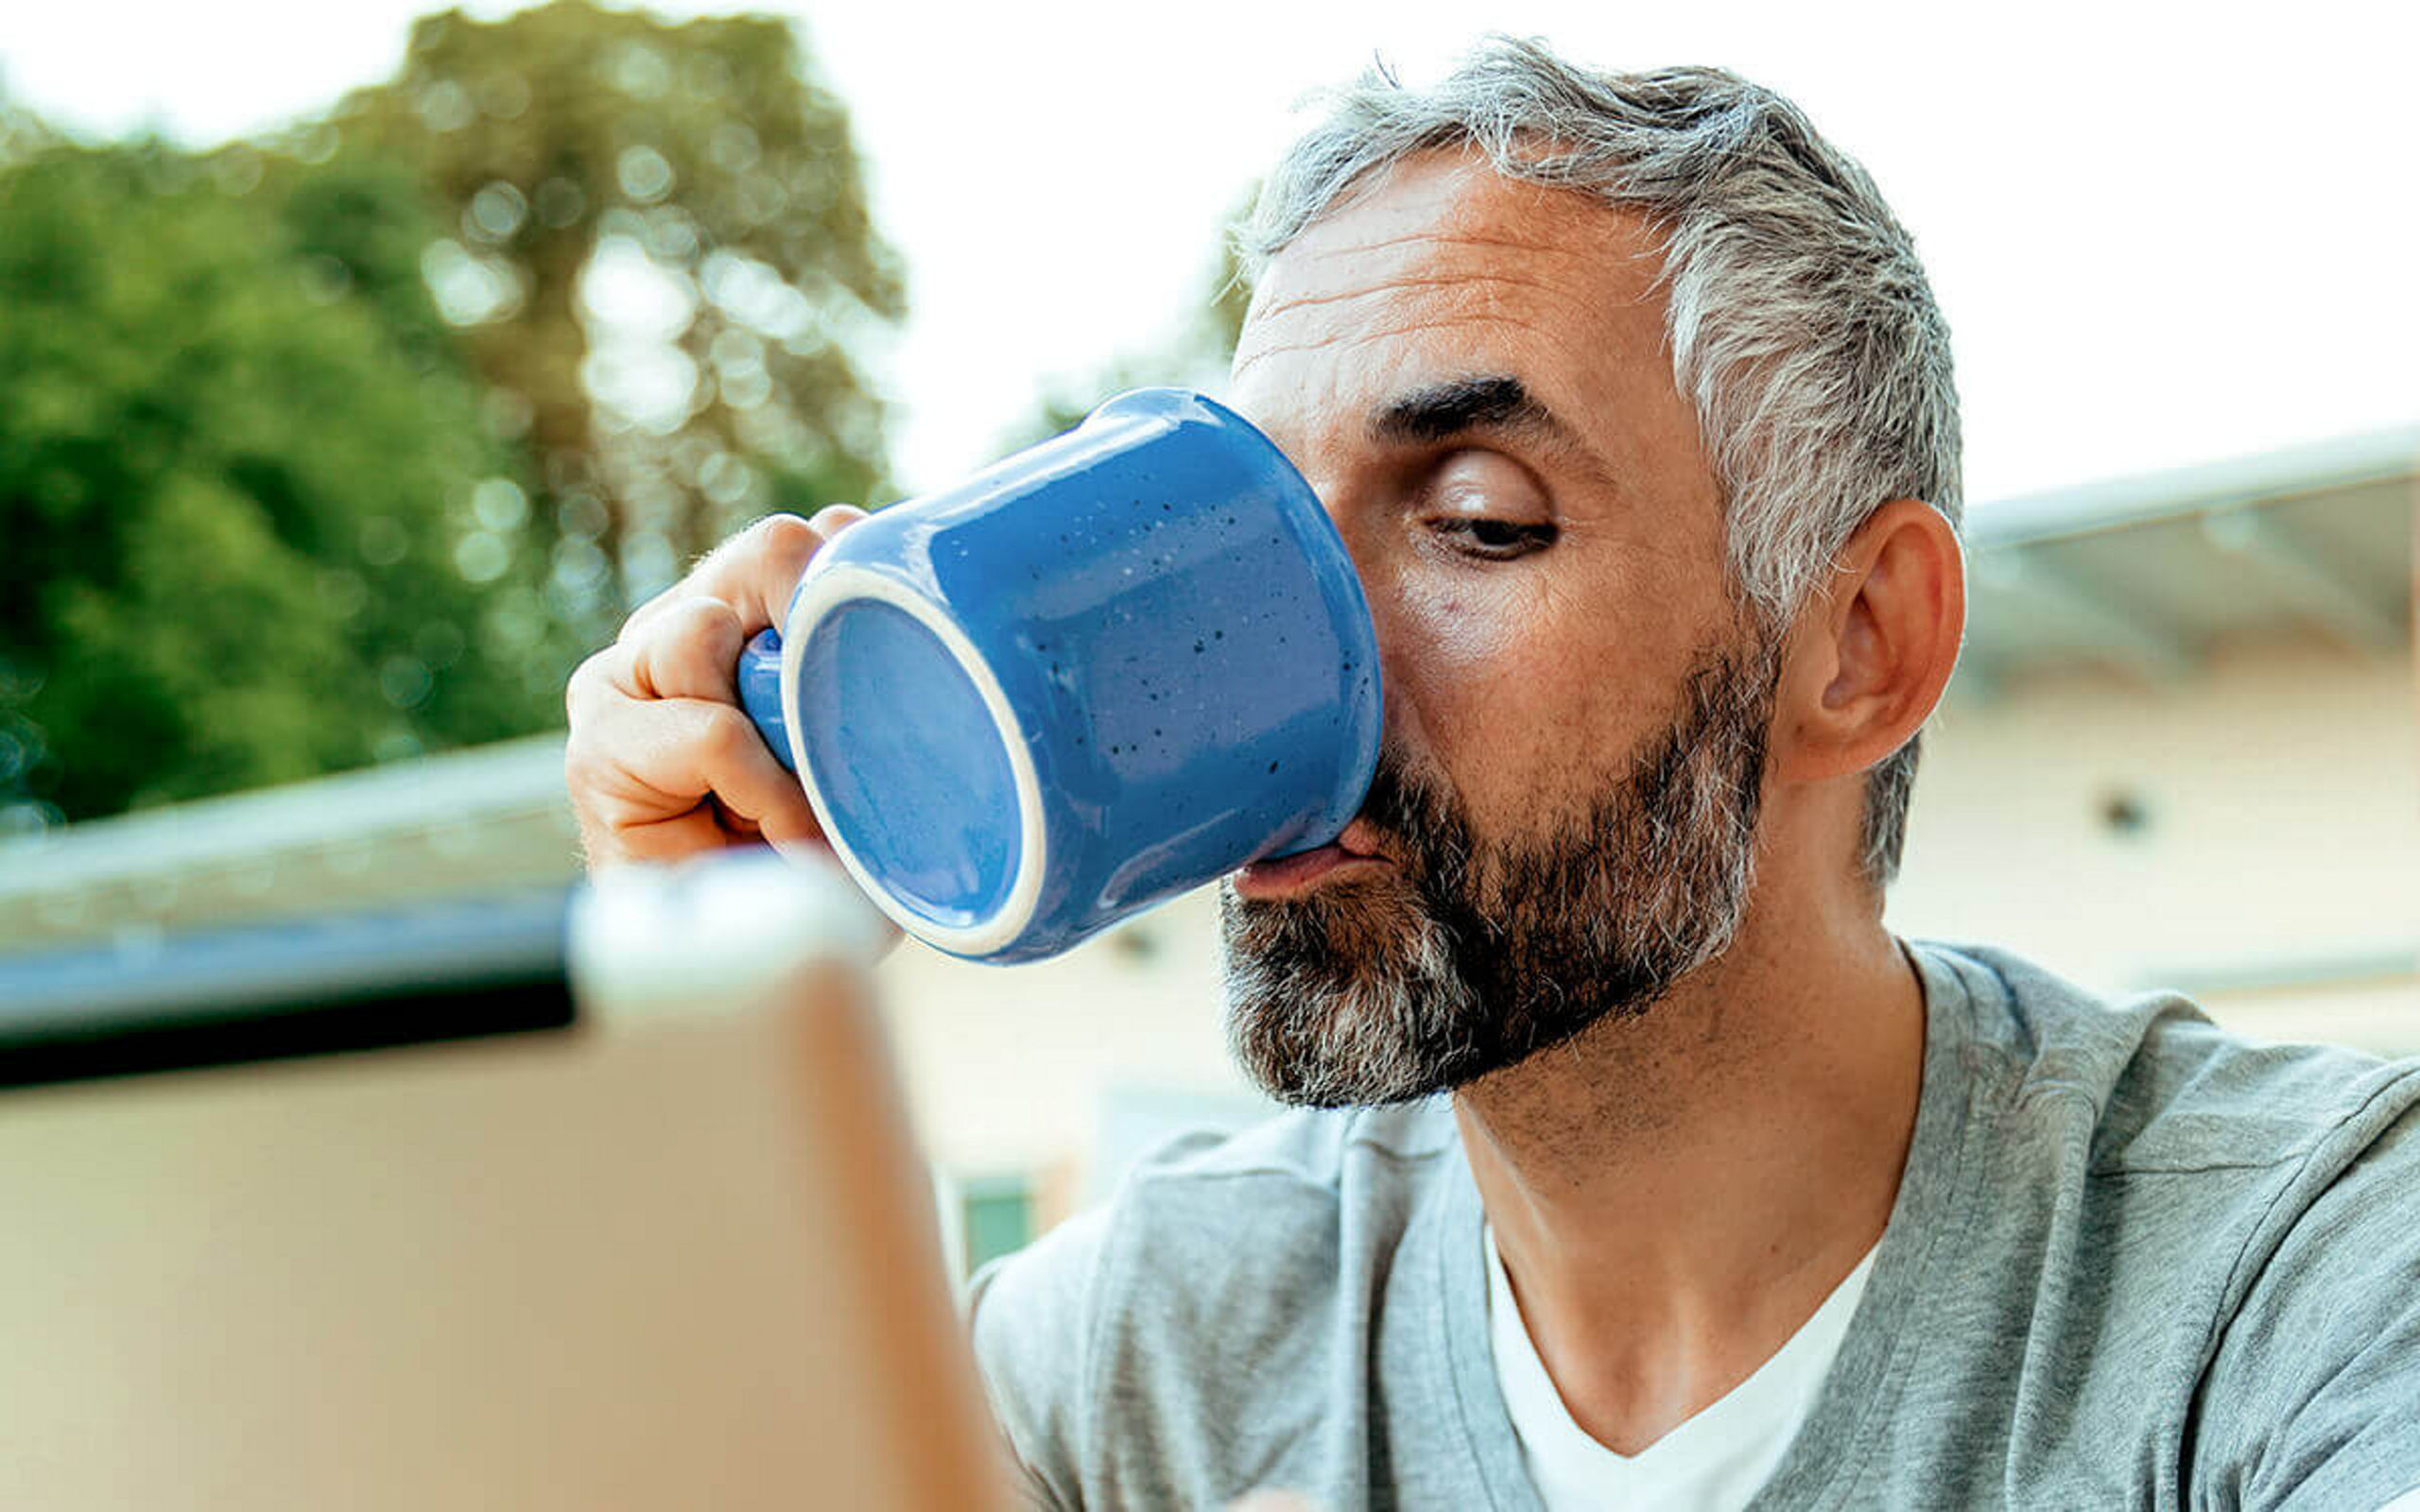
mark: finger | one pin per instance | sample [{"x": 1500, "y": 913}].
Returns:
[
  {"x": 756, "y": 570},
  {"x": 674, "y": 840},
  {"x": 691, "y": 651},
  {"x": 832, "y": 518},
  {"x": 641, "y": 774}
]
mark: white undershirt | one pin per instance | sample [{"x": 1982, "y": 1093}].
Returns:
[{"x": 1712, "y": 1463}]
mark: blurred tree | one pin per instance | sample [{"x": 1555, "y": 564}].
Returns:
[
  {"x": 21, "y": 132},
  {"x": 343, "y": 444},
  {"x": 659, "y": 254},
  {"x": 254, "y": 526}
]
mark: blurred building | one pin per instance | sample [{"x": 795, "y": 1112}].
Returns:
[
  {"x": 2180, "y": 751},
  {"x": 2181, "y": 746}
]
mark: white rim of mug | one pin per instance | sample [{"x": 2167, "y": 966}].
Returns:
[{"x": 819, "y": 595}]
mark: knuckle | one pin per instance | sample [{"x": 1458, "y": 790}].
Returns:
[
  {"x": 641, "y": 617},
  {"x": 725, "y": 733},
  {"x": 581, "y": 777},
  {"x": 703, "y": 617},
  {"x": 682, "y": 629},
  {"x": 580, "y": 688},
  {"x": 782, "y": 535},
  {"x": 655, "y": 604}
]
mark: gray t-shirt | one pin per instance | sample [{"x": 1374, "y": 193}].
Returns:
[{"x": 2134, "y": 1262}]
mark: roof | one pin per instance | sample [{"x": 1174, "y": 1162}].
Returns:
[
  {"x": 495, "y": 817},
  {"x": 2154, "y": 573}
]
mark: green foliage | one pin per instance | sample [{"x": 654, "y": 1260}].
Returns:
[
  {"x": 243, "y": 488},
  {"x": 312, "y": 450},
  {"x": 21, "y": 132},
  {"x": 571, "y": 149}
]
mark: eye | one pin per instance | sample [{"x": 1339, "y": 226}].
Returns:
[
  {"x": 1494, "y": 540},
  {"x": 1483, "y": 505}
]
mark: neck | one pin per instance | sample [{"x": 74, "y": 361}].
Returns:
[{"x": 1675, "y": 1194}]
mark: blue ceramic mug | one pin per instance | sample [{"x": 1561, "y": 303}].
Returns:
[{"x": 1099, "y": 673}]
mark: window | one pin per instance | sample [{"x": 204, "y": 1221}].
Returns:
[{"x": 997, "y": 1211}]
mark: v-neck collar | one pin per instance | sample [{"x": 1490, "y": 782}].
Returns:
[
  {"x": 1928, "y": 1221},
  {"x": 1722, "y": 1442}
]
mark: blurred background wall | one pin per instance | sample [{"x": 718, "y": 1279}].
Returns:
[{"x": 330, "y": 445}]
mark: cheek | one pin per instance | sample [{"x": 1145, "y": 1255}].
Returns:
[
  {"x": 1462, "y": 631},
  {"x": 1485, "y": 686},
  {"x": 1526, "y": 697}
]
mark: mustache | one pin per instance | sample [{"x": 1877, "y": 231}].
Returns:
[{"x": 1418, "y": 819}]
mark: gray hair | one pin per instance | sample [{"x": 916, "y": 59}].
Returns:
[{"x": 1800, "y": 323}]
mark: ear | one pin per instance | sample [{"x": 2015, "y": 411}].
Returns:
[{"x": 1872, "y": 649}]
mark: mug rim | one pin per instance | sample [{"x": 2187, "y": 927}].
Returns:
[{"x": 820, "y": 593}]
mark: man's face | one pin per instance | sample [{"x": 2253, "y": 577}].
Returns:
[{"x": 1471, "y": 372}]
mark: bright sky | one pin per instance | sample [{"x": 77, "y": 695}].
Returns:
[{"x": 2162, "y": 235}]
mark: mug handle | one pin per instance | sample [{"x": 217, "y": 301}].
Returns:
[{"x": 759, "y": 677}]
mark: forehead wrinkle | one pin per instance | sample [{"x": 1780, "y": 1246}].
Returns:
[
  {"x": 1587, "y": 302},
  {"x": 1539, "y": 246},
  {"x": 1552, "y": 337},
  {"x": 1407, "y": 282},
  {"x": 1590, "y": 253}
]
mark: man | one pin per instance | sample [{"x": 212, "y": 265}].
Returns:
[{"x": 1645, "y": 1168}]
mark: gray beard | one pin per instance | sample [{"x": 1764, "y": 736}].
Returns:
[{"x": 1468, "y": 956}]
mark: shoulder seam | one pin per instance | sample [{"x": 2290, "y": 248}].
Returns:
[
  {"x": 2061, "y": 1086},
  {"x": 2100, "y": 1171},
  {"x": 2230, "y": 1298},
  {"x": 1967, "y": 970}
]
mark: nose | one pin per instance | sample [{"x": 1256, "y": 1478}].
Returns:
[{"x": 1362, "y": 524}]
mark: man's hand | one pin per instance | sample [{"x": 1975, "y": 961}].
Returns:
[{"x": 662, "y": 762}]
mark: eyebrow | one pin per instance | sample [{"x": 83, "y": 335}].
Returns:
[{"x": 1496, "y": 401}]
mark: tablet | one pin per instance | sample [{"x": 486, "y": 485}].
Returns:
[{"x": 541, "y": 1200}]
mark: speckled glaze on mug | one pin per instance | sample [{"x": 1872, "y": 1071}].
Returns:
[{"x": 1101, "y": 672}]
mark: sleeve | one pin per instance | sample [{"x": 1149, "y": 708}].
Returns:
[
  {"x": 2312, "y": 1396},
  {"x": 1029, "y": 1320}
]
